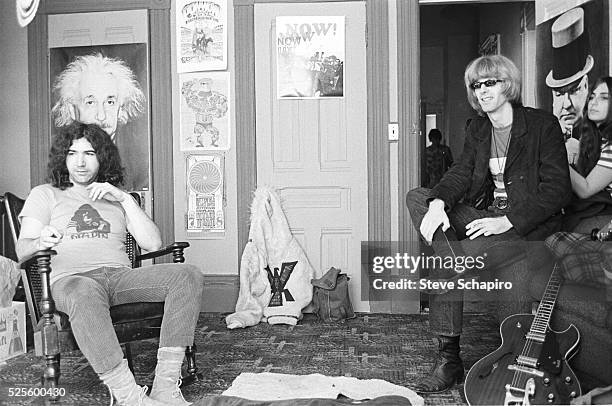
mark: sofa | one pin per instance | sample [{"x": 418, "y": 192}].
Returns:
[{"x": 585, "y": 307}]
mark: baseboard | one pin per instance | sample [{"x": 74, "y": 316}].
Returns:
[{"x": 220, "y": 293}]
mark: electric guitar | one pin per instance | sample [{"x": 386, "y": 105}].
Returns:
[{"x": 530, "y": 367}]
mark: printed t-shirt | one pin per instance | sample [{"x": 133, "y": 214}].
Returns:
[
  {"x": 93, "y": 232},
  {"x": 605, "y": 160}
]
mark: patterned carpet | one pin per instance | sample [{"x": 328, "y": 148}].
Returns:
[{"x": 395, "y": 348}]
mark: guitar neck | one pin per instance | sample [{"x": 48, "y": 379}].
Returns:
[{"x": 545, "y": 309}]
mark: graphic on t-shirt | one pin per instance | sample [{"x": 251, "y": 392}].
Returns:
[{"x": 88, "y": 223}]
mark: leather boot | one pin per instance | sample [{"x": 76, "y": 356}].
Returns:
[
  {"x": 167, "y": 382},
  {"x": 448, "y": 369},
  {"x": 124, "y": 389}
]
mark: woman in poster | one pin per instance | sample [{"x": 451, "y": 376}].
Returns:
[{"x": 592, "y": 177}]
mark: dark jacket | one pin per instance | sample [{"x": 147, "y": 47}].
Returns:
[{"x": 536, "y": 174}]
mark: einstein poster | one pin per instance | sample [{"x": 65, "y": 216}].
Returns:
[
  {"x": 127, "y": 124},
  {"x": 310, "y": 56},
  {"x": 201, "y": 35},
  {"x": 204, "y": 111}
]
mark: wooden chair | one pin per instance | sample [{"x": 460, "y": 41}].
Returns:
[{"x": 52, "y": 333}]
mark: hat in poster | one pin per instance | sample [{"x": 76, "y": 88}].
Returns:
[{"x": 570, "y": 46}]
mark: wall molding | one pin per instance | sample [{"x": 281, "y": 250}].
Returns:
[
  {"x": 162, "y": 173},
  {"x": 246, "y": 154},
  {"x": 408, "y": 109},
  {"x": 377, "y": 50},
  {"x": 377, "y": 69},
  {"x": 409, "y": 162},
  {"x": 86, "y": 6},
  {"x": 39, "y": 90}
]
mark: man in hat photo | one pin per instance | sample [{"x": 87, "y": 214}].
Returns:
[{"x": 568, "y": 78}]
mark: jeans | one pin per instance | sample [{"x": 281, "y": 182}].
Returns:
[
  {"x": 446, "y": 309},
  {"x": 87, "y": 297}
]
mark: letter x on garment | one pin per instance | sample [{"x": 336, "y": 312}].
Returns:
[{"x": 278, "y": 282}]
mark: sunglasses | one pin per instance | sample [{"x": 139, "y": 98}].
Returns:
[{"x": 488, "y": 83}]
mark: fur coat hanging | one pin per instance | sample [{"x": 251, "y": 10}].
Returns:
[{"x": 275, "y": 273}]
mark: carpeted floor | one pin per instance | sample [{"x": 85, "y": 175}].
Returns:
[{"x": 395, "y": 348}]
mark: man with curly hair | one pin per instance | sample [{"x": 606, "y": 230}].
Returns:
[
  {"x": 83, "y": 210},
  {"x": 96, "y": 89}
]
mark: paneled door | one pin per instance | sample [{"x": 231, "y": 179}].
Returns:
[{"x": 314, "y": 151}]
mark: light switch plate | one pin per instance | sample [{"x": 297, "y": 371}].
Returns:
[{"x": 393, "y": 131}]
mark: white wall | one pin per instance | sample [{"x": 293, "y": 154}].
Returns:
[
  {"x": 14, "y": 115},
  {"x": 220, "y": 255}
]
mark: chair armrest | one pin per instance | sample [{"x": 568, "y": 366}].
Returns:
[
  {"x": 32, "y": 259},
  {"x": 176, "y": 249}
]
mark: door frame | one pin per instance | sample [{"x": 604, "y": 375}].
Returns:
[
  {"x": 408, "y": 80},
  {"x": 377, "y": 71},
  {"x": 161, "y": 117}
]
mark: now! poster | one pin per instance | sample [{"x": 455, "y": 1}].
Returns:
[{"x": 310, "y": 53}]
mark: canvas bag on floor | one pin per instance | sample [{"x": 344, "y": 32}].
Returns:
[{"x": 331, "y": 300}]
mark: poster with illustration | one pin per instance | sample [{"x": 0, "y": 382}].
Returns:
[
  {"x": 204, "y": 111},
  {"x": 205, "y": 191},
  {"x": 572, "y": 53},
  {"x": 310, "y": 53},
  {"x": 201, "y": 34},
  {"x": 129, "y": 123}
]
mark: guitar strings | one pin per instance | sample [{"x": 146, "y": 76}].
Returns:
[
  {"x": 554, "y": 283},
  {"x": 529, "y": 342}
]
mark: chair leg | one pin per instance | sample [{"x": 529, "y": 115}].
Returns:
[
  {"x": 51, "y": 375},
  {"x": 192, "y": 369},
  {"x": 49, "y": 335},
  {"x": 128, "y": 355}
]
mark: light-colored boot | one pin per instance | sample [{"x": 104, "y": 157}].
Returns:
[
  {"x": 123, "y": 388},
  {"x": 166, "y": 386}
]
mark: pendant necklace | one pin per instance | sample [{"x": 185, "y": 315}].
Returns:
[{"x": 500, "y": 176}]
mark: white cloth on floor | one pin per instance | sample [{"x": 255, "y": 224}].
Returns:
[
  {"x": 272, "y": 386},
  {"x": 275, "y": 273}
]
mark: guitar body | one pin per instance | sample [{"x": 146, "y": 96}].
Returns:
[{"x": 523, "y": 371}]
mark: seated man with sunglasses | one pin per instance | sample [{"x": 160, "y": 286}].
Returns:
[{"x": 508, "y": 187}]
